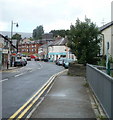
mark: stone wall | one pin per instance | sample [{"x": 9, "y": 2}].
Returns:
[{"x": 76, "y": 69}]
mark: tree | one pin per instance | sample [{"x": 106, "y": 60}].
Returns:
[
  {"x": 37, "y": 33},
  {"x": 17, "y": 36},
  {"x": 61, "y": 33},
  {"x": 84, "y": 41}
]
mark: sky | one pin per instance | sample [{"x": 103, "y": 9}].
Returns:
[{"x": 52, "y": 14}]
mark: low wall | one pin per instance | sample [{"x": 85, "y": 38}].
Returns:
[
  {"x": 76, "y": 69},
  {"x": 102, "y": 86}
]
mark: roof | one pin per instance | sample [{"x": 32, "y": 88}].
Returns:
[
  {"x": 4, "y": 37},
  {"x": 7, "y": 40},
  {"x": 45, "y": 45},
  {"x": 60, "y": 42},
  {"x": 106, "y": 26}
]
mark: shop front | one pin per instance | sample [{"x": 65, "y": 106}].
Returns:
[{"x": 5, "y": 59}]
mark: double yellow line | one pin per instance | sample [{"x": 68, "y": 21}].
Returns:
[{"x": 24, "y": 109}]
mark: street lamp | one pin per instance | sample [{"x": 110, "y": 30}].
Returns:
[{"x": 12, "y": 23}]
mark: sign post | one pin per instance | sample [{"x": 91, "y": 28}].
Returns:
[
  {"x": 107, "y": 60},
  {"x": 1, "y": 46}
]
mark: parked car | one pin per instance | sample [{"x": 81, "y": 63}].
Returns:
[
  {"x": 60, "y": 61},
  {"x": 37, "y": 59},
  {"x": 25, "y": 59},
  {"x": 57, "y": 61},
  {"x": 67, "y": 62},
  {"x": 45, "y": 60},
  {"x": 32, "y": 56},
  {"x": 19, "y": 62},
  {"x": 28, "y": 58}
]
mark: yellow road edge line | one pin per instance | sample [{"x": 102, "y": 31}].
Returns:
[
  {"x": 21, "y": 108},
  {"x": 25, "y": 111}
]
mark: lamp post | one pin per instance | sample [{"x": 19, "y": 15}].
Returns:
[{"x": 12, "y": 23}]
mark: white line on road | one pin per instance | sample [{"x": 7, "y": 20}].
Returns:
[
  {"x": 19, "y": 75},
  {"x": 40, "y": 65},
  {"x": 4, "y": 80}
]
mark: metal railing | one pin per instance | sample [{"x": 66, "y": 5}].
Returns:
[{"x": 102, "y": 86}]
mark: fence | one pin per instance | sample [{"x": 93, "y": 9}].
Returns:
[{"x": 102, "y": 86}]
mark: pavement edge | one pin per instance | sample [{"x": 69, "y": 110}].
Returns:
[{"x": 36, "y": 106}]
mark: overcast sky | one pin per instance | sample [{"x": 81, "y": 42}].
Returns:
[{"x": 52, "y": 14}]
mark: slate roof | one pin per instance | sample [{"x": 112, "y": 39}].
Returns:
[
  {"x": 106, "y": 26},
  {"x": 60, "y": 42}
]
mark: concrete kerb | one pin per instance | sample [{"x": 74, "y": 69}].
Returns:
[
  {"x": 34, "y": 98},
  {"x": 52, "y": 78}
]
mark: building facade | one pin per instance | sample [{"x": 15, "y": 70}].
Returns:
[
  {"x": 107, "y": 33},
  {"x": 59, "y": 49},
  {"x": 4, "y": 52},
  {"x": 29, "y": 47},
  {"x": 55, "y": 50}
]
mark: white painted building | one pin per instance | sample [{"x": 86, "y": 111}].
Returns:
[
  {"x": 55, "y": 50},
  {"x": 59, "y": 49},
  {"x": 107, "y": 32}
]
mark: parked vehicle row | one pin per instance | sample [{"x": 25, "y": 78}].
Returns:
[
  {"x": 20, "y": 61},
  {"x": 64, "y": 62}
]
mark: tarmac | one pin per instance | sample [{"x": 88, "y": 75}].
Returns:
[{"x": 68, "y": 98}]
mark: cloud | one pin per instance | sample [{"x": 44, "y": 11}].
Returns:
[{"x": 52, "y": 13}]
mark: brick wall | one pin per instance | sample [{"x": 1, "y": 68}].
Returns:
[{"x": 31, "y": 48}]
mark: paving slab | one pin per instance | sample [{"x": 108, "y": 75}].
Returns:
[{"x": 68, "y": 98}]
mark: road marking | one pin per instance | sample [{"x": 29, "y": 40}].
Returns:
[
  {"x": 4, "y": 80},
  {"x": 34, "y": 98},
  {"x": 34, "y": 101},
  {"x": 21, "y": 108},
  {"x": 40, "y": 65},
  {"x": 19, "y": 75}
]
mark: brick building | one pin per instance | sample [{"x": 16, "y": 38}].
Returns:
[{"x": 29, "y": 47}]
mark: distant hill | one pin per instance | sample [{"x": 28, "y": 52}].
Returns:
[{"x": 24, "y": 35}]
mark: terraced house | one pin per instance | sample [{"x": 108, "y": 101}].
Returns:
[
  {"x": 28, "y": 47},
  {"x": 107, "y": 32},
  {"x": 4, "y": 52}
]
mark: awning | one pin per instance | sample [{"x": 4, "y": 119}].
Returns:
[{"x": 57, "y": 53}]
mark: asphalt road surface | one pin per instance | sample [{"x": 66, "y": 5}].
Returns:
[{"x": 21, "y": 84}]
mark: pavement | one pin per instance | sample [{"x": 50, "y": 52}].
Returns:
[
  {"x": 6, "y": 70},
  {"x": 9, "y": 68},
  {"x": 68, "y": 98}
]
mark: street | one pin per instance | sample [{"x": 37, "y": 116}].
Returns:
[{"x": 21, "y": 84}]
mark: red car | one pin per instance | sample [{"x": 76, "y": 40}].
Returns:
[{"x": 33, "y": 56}]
